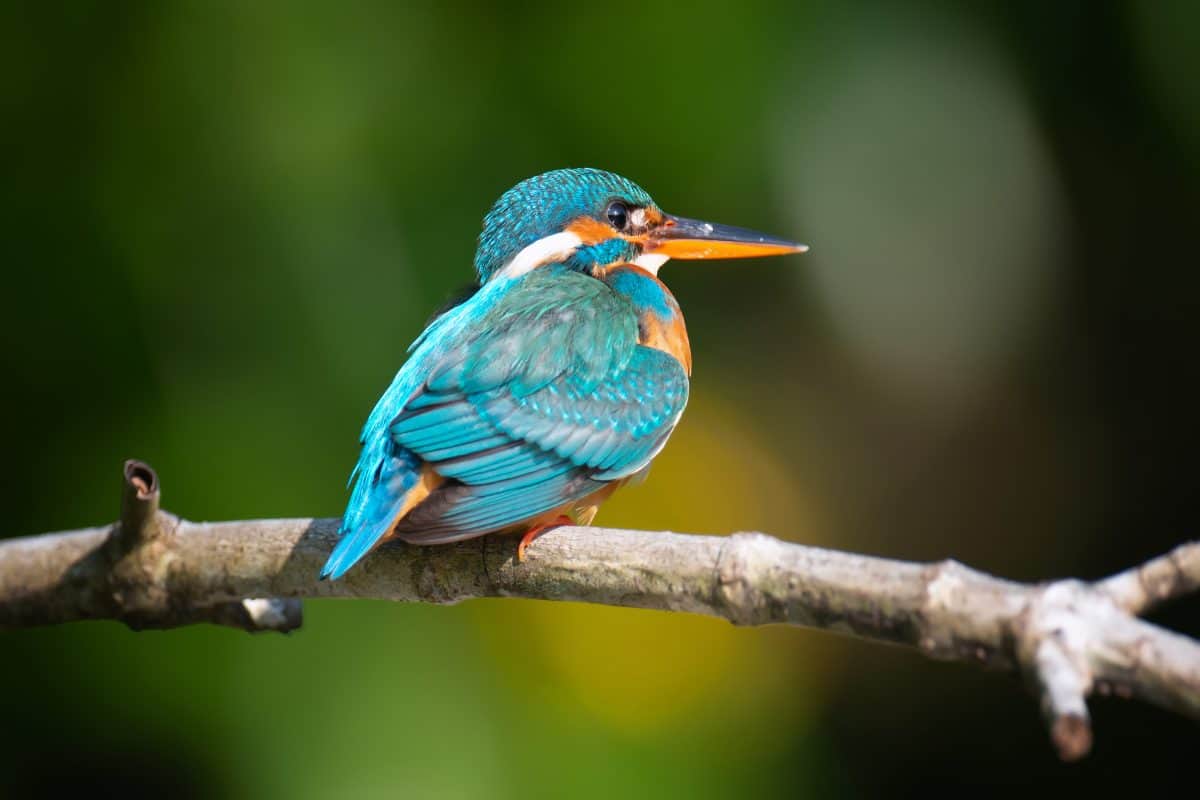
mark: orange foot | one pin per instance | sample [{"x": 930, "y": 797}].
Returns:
[{"x": 538, "y": 530}]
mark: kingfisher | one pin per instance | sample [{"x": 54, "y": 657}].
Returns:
[{"x": 557, "y": 381}]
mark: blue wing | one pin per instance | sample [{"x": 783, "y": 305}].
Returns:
[
  {"x": 526, "y": 397},
  {"x": 512, "y": 456}
]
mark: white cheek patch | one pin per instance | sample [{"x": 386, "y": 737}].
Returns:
[
  {"x": 556, "y": 247},
  {"x": 651, "y": 262},
  {"x": 647, "y": 261}
]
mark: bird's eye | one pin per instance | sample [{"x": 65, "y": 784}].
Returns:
[{"x": 618, "y": 214}]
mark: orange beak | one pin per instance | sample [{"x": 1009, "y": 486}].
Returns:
[{"x": 679, "y": 237}]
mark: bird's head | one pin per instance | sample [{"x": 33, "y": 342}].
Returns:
[{"x": 589, "y": 219}]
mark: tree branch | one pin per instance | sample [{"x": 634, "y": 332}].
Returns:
[{"x": 1068, "y": 638}]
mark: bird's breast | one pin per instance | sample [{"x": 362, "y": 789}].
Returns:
[
  {"x": 668, "y": 334},
  {"x": 659, "y": 318}
]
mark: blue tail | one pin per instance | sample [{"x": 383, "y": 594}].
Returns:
[
  {"x": 387, "y": 472},
  {"x": 383, "y": 477}
]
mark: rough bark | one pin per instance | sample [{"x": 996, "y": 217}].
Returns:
[{"x": 1067, "y": 638}]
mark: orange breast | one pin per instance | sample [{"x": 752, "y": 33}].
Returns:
[
  {"x": 660, "y": 320},
  {"x": 668, "y": 335}
]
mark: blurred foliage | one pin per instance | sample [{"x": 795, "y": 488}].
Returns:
[{"x": 225, "y": 221}]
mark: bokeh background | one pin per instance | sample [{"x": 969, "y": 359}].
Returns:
[{"x": 223, "y": 223}]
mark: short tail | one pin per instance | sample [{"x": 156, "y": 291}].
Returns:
[{"x": 383, "y": 491}]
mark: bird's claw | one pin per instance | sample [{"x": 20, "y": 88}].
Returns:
[{"x": 536, "y": 531}]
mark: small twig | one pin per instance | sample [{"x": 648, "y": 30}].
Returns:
[
  {"x": 139, "y": 522},
  {"x": 1142, "y": 589},
  {"x": 1069, "y": 638}
]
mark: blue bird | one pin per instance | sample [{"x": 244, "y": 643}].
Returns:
[{"x": 555, "y": 383}]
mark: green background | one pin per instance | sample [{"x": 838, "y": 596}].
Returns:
[{"x": 224, "y": 222}]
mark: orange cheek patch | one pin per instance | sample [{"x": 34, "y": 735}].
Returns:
[
  {"x": 652, "y": 217},
  {"x": 591, "y": 231}
]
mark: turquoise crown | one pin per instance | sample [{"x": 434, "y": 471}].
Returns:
[{"x": 544, "y": 205}]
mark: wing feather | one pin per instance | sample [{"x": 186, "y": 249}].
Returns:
[{"x": 524, "y": 400}]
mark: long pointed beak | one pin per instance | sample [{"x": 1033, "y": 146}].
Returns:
[{"x": 679, "y": 237}]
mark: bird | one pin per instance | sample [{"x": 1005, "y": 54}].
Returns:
[{"x": 557, "y": 381}]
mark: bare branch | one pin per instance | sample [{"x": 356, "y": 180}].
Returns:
[
  {"x": 1142, "y": 589},
  {"x": 1068, "y": 638}
]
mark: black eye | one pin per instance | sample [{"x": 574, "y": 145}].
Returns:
[{"x": 618, "y": 214}]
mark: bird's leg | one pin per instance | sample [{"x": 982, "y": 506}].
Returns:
[{"x": 538, "y": 530}]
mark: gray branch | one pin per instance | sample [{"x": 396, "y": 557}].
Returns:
[{"x": 1068, "y": 638}]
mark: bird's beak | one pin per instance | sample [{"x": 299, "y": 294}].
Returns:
[{"x": 679, "y": 237}]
